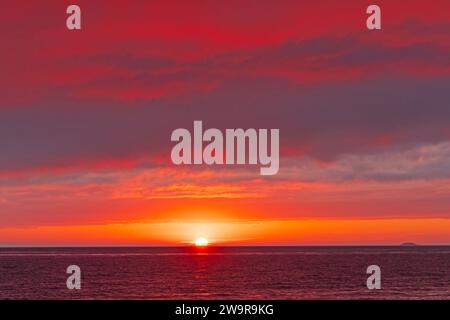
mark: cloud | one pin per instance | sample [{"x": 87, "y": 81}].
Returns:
[
  {"x": 86, "y": 117},
  {"x": 160, "y": 51},
  {"x": 400, "y": 182},
  {"x": 425, "y": 162},
  {"x": 321, "y": 122}
]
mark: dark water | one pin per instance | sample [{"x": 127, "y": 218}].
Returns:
[{"x": 226, "y": 273}]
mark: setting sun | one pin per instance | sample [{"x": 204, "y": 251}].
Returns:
[{"x": 201, "y": 242}]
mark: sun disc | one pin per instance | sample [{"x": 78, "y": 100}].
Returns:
[{"x": 201, "y": 242}]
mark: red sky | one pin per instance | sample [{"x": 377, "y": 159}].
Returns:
[{"x": 86, "y": 117}]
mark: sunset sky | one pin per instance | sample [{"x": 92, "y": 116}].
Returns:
[{"x": 86, "y": 118}]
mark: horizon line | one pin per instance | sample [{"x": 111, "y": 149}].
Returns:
[{"x": 406, "y": 244}]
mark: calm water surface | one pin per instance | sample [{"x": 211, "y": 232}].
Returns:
[{"x": 226, "y": 273}]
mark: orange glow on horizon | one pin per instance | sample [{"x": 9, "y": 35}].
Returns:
[{"x": 267, "y": 232}]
